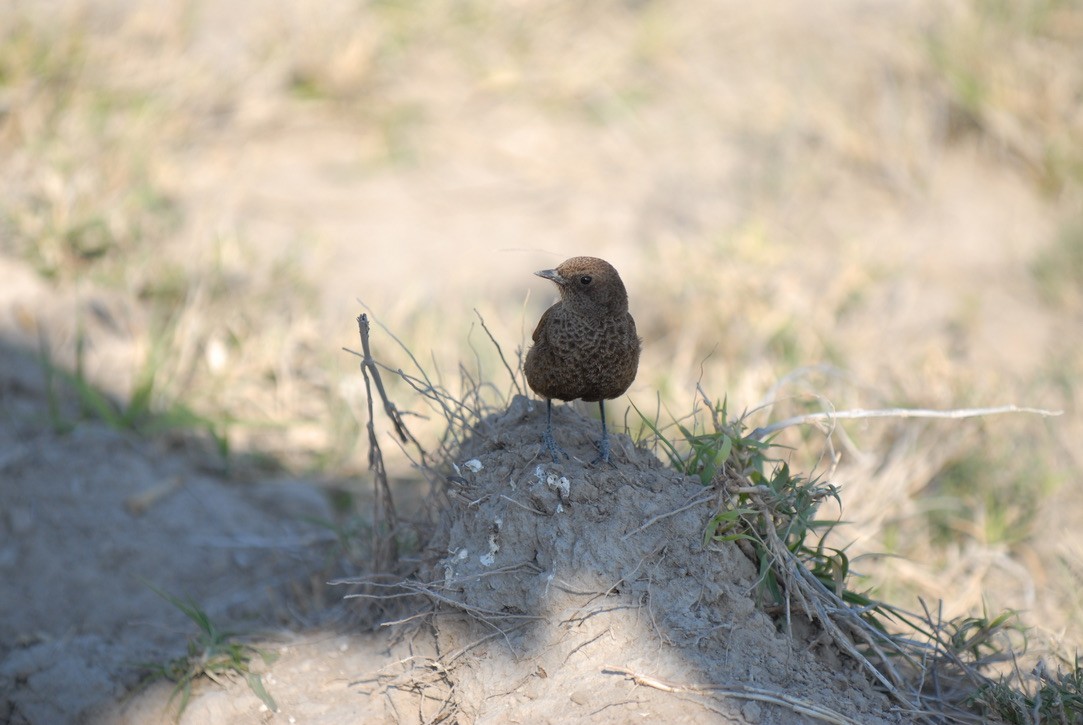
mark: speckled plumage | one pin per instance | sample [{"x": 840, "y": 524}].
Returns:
[{"x": 585, "y": 346}]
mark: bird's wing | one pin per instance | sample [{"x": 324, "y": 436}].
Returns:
[{"x": 541, "y": 324}]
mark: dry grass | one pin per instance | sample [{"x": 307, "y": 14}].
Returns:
[
  {"x": 809, "y": 205},
  {"x": 1007, "y": 69}
]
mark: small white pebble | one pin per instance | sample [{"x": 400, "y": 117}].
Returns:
[
  {"x": 344, "y": 646},
  {"x": 463, "y": 553},
  {"x": 474, "y": 465}
]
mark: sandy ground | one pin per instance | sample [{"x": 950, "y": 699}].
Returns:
[{"x": 793, "y": 204}]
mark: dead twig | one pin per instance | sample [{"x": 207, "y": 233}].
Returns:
[
  {"x": 500, "y": 351},
  {"x": 841, "y": 624},
  {"x": 523, "y": 506},
  {"x": 667, "y": 514},
  {"x": 384, "y": 546},
  {"x": 369, "y": 366},
  {"x": 858, "y": 413},
  {"x": 414, "y": 588},
  {"x": 743, "y": 692}
]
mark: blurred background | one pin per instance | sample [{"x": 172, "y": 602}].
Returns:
[{"x": 825, "y": 205}]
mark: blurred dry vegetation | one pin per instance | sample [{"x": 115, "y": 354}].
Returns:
[{"x": 851, "y": 204}]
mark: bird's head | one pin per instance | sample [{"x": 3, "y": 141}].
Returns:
[{"x": 589, "y": 285}]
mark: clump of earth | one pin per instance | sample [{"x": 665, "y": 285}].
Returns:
[{"x": 567, "y": 591}]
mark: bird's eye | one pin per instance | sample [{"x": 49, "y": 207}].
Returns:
[{"x": 585, "y": 279}]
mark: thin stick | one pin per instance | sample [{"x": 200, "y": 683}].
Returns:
[
  {"x": 523, "y": 506},
  {"x": 477, "y": 612},
  {"x": 801, "y": 707},
  {"x": 659, "y": 517},
  {"x": 857, "y": 413},
  {"x": 384, "y": 545},
  {"x": 456, "y": 654},
  {"x": 369, "y": 364},
  {"x": 500, "y": 351}
]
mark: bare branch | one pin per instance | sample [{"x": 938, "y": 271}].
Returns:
[{"x": 858, "y": 413}]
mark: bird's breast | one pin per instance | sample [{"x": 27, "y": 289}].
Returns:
[{"x": 576, "y": 356}]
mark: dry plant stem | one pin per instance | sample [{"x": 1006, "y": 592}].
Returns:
[
  {"x": 659, "y": 517},
  {"x": 449, "y": 405},
  {"x": 500, "y": 351},
  {"x": 384, "y": 548},
  {"x": 434, "y": 675},
  {"x": 456, "y": 654},
  {"x": 368, "y": 363},
  {"x": 431, "y": 592},
  {"x": 416, "y": 589},
  {"x": 813, "y": 591},
  {"x": 742, "y": 692},
  {"x": 407, "y": 620},
  {"x": 761, "y": 433},
  {"x": 939, "y": 652},
  {"x": 523, "y": 506},
  {"x": 943, "y": 654},
  {"x": 812, "y": 596}
]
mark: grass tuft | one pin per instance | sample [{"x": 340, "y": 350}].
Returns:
[
  {"x": 1003, "y": 67},
  {"x": 1056, "y": 697},
  {"x": 141, "y": 413},
  {"x": 770, "y": 513},
  {"x": 213, "y": 653}
]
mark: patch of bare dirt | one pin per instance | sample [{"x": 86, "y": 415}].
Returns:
[
  {"x": 88, "y": 519},
  {"x": 93, "y": 516}
]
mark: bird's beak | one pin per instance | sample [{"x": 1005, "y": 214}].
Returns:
[{"x": 551, "y": 274}]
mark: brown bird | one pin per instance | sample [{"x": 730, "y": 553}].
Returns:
[{"x": 585, "y": 346}]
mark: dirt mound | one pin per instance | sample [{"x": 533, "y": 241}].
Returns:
[{"x": 562, "y": 586}]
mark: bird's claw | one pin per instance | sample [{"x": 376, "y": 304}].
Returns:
[
  {"x": 551, "y": 446},
  {"x": 603, "y": 452}
]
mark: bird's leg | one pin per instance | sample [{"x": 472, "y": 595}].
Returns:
[
  {"x": 603, "y": 445},
  {"x": 550, "y": 442}
]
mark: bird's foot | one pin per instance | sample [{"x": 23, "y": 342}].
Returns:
[
  {"x": 603, "y": 452},
  {"x": 551, "y": 445}
]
